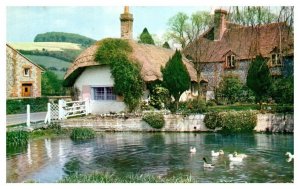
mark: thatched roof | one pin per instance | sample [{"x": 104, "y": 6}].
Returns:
[
  {"x": 245, "y": 42},
  {"x": 150, "y": 58}
]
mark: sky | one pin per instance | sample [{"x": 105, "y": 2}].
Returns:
[{"x": 24, "y": 23}]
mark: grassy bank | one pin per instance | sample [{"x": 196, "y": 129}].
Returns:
[{"x": 130, "y": 178}]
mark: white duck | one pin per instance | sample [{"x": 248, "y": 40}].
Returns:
[
  {"x": 289, "y": 155},
  {"x": 215, "y": 154},
  {"x": 207, "y": 165},
  {"x": 235, "y": 159},
  {"x": 193, "y": 149},
  {"x": 235, "y": 154}
]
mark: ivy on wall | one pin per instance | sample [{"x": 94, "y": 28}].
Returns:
[{"x": 126, "y": 73}]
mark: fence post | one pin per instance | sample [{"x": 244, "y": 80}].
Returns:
[
  {"x": 61, "y": 113},
  {"x": 28, "y": 116},
  {"x": 49, "y": 111},
  {"x": 87, "y": 107}
]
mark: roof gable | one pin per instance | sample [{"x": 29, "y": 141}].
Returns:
[{"x": 42, "y": 69}]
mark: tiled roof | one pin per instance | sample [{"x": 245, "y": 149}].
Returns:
[{"x": 245, "y": 42}]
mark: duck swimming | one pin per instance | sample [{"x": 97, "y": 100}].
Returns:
[
  {"x": 193, "y": 149},
  {"x": 207, "y": 165},
  {"x": 289, "y": 155},
  {"x": 235, "y": 158},
  {"x": 215, "y": 154},
  {"x": 235, "y": 154}
]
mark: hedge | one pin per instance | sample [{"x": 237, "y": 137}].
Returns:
[
  {"x": 16, "y": 106},
  {"x": 155, "y": 120},
  {"x": 232, "y": 121}
]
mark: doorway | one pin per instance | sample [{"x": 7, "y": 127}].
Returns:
[{"x": 26, "y": 90}]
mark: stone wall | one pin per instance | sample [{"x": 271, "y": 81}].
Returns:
[
  {"x": 15, "y": 64},
  {"x": 176, "y": 123}
]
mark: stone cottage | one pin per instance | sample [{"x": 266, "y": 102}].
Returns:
[
  {"x": 95, "y": 82},
  {"x": 229, "y": 48},
  {"x": 23, "y": 77}
]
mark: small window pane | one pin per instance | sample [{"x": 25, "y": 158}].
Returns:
[
  {"x": 26, "y": 72},
  {"x": 99, "y": 93},
  {"x": 109, "y": 94}
]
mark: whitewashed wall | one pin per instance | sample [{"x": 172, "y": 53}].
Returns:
[{"x": 97, "y": 76}]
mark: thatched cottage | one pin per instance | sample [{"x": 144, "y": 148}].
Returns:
[
  {"x": 95, "y": 82},
  {"x": 23, "y": 77},
  {"x": 229, "y": 48}
]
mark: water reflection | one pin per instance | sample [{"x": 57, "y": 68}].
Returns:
[{"x": 161, "y": 154}]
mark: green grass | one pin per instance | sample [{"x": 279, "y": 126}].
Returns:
[
  {"x": 233, "y": 107},
  {"x": 130, "y": 178},
  {"x": 48, "y": 61},
  {"x": 50, "y": 46}
]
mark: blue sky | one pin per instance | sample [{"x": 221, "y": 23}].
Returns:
[{"x": 24, "y": 23}]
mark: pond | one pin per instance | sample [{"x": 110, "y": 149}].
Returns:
[{"x": 161, "y": 154}]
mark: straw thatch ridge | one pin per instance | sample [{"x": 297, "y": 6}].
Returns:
[{"x": 151, "y": 58}]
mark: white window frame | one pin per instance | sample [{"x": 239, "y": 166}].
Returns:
[
  {"x": 105, "y": 96},
  {"x": 230, "y": 61},
  {"x": 277, "y": 61},
  {"x": 27, "y": 72}
]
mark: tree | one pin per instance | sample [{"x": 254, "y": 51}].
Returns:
[
  {"x": 176, "y": 77},
  {"x": 51, "y": 85},
  {"x": 184, "y": 29},
  {"x": 251, "y": 15},
  {"x": 146, "y": 38},
  {"x": 166, "y": 45},
  {"x": 259, "y": 78},
  {"x": 231, "y": 88},
  {"x": 282, "y": 90}
]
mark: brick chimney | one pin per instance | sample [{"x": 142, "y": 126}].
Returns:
[
  {"x": 219, "y": 23},
  {"x": 126, "y": 24}
]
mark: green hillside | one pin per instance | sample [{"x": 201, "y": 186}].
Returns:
[
  {"x": 64, "y": 37},
  {"x": 57, "y": 66}
]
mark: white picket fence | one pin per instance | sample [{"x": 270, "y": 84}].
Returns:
[{"x": 64, "y": 110}]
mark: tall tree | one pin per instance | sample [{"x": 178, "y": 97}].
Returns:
[
  {"x": 231, "y": 87},
  {"x": 146, "y": 38},
  {"x": 259, "y": 78},
  {"x": 176, "y": 77},
  {"x": 183, "y": 29},
  {"x": 251, "y": 15}
]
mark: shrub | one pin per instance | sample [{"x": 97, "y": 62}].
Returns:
[
  {"x": 196, "y": 106},
  {"x": 82, "y": 133},
  {"x": 231, "y": 88},
  {"x": 211, "y": 120},
  {"x": 159, "y": 97},
  {"x": 231, "y": 121},
  {"x": 237, "y": 121},
  {"x": 15, "y": 106},
  {"x": 17, "y": 138},
  {"x": 211, "y": 102},
  {"x": 155, "y": 120}
]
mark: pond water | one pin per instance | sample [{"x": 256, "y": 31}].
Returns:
[{"x": 161, "y": 154}]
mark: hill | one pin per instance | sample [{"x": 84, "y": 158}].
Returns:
[
  {"x": 59, "y": 67},
  {"x": 64, "y": 37}
]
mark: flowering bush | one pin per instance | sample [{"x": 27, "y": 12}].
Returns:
[{"x": 231, "y": 121}]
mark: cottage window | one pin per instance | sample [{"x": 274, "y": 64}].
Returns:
[
  {"x": 104, "y": 93},
  {"x": 26, "y": 71},
  {"x": 276, "y": 60},
  {"x": 230, "y": 61}
]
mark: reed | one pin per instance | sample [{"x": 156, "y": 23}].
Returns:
[
  {"x": 130, "y": 178},
  {"x": 81, "y": 133},
  {"x": 17, "y": 138}
]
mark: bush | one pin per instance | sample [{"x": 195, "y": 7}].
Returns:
[
  {"x": 211, "y": 120},
  {"x": 211, "y": 102},
  {"x": 284, "y": 109},
  {"x": 155, "y": 120},
  {"x": 232, "y": 121},
  {"x": 17, "y": 138},
  {"x": 16, "y": 106},
  {"x": 82, "y": 133},
  {"x": 196, "y": 106},
  {"x": 159, "y": 97}
]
